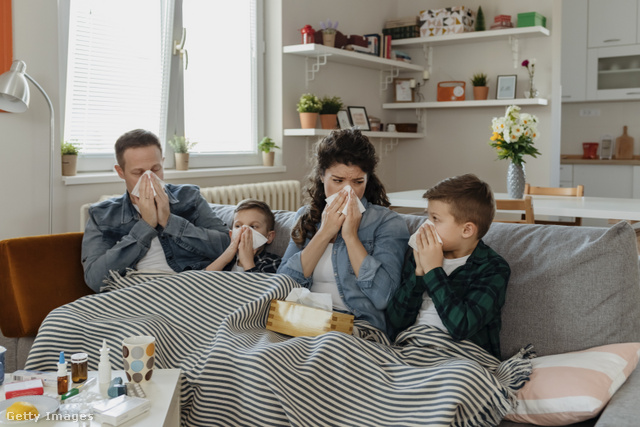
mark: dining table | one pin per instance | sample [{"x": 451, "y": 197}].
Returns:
[{"x": 584, "y": 207}]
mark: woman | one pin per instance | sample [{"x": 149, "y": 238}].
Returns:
[{"x": 355, "y": 256}]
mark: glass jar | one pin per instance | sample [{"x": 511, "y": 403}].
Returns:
[{"x": 79, "y": 367}]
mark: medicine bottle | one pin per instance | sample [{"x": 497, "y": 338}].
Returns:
[
  {"x": 63, "y": 378},
  {"x": 79, "y": 367}
]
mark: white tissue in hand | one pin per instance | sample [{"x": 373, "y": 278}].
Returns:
[
  {"x": 146, "y": 175},
  {"x": 344, "y": 211},
  {"x": 258, "y": 239},
  {"x": 412, "y": 239},
  {"x": 311, "y": 299}
]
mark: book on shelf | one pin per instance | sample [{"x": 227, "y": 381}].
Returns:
[
  {"x": 402, "y": 22},
  {"x": 406, "y": 32},
  {"x": 374, "y": 43}
]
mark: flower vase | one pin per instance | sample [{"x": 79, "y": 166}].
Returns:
[
  {"x": 515, "y": 181},
  {"x": 532, "y": 92}
]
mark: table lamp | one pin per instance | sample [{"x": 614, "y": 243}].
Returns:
[{"x": 14, "y": 98}]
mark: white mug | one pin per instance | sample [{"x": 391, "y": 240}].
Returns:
[{"x": 391, "y": 127}]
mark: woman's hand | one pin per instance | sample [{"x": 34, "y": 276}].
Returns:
[
  {"x": 332, "y": 217},
  {"x": 429, "y": 254},
  {"x": 354, "y": 216}
]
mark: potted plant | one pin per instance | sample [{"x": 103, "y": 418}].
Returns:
[
  {"x": 480, "y": 88},
  {"x": 329, "y": 30},
  {"x": 181, "y": 147},
  {"x": 329, "y": 112},
  {"x": 69, "y": 152},
  {"x": 266, "y": 146},
  {"x": 309, "y": 106}
]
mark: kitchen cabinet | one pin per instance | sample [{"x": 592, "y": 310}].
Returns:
[
  {"x": 566, "y": 176},
  {"x": 574, "y": 40},
  {"x": 605, "y": 180},
  {"x": 612, "y": 22},
  {"x": 613, "y": 73}
]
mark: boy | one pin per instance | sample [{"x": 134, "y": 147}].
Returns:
[
  {"x": 459, "y": 285},
  {"x": 242, "y": 254}
]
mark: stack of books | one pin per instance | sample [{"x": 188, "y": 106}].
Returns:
[{"x": 402, "y": 28}]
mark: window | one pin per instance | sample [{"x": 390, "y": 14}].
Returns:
[{"x": 123, "y": 73}]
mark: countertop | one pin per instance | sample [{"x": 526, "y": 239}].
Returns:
[{"x": 576, "y": 159}]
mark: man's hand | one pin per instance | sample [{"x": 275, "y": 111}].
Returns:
[
  {"x": 147, "y": 204},
  {"x": 245, "y": 249},
  {"x": 162, "y": 202},
  {"x": 429, "y": 254}
]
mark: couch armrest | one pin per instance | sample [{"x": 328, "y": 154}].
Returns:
[
  {"x": 623, "y": 408},
  {"x": 38, "y": 274}
]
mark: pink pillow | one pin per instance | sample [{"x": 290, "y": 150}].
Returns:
[{"x": 573, "y": 387}]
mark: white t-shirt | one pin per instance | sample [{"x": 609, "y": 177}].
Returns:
[
  {"x": 428, "y": 315},
  {"x": 154, "y": 259},
  {"x": 324, "y": 280}
]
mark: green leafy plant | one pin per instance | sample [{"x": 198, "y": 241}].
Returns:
[
  {"x": 309, "y": 103},
  {"x": 479, "y": 79},
  {"x": 181, "y": 144},
  {"x": 331, "y": 105},
  {"x": 480, "y": 20},
  {"x": 69, "y": 148},
  {"x": 267, "y": 145}
]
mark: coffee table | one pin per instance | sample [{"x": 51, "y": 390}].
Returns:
[{"x": 163, "y": 391}]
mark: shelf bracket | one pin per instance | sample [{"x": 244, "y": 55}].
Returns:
[
  {"x": 312, "y": 68},
  {"x": 309, "y": 150},
  {"x": 427, "y": 50},
  {"x": 385, "y": 81},
  {"x": 390, "y": 145},
  {"x": 513, "y": 41}
]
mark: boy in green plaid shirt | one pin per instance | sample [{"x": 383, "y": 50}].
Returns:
[{"x": 458, "y": 285}]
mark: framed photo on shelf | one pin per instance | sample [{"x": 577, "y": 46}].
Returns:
[
  {"x": 359, "y": 118},
  {"x": 506, "y": 87},
  {"x": 403, "y": 90},
  {"x": 343, "y": 119},
  {"x": 374, "y": 43}
]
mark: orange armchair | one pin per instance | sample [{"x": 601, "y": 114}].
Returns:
[{"x": 38, "y": 274}]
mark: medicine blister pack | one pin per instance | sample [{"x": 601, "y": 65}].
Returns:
[{"x": 134, "y": 389}]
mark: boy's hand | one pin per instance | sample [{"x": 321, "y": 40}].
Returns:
[
  {"x": 332, "y": 217},
  {"x": 429, "y": 254},
  {"x": 245, "y": 249},
  {"x": 352, "y": 221}
]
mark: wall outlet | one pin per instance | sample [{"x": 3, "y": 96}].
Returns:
[{"x": 586, "y": 112}]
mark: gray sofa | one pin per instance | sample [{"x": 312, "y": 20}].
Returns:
[{"x": 571, "y": 288}]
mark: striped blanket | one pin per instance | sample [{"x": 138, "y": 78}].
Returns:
[{"x": 235, "y": 372}]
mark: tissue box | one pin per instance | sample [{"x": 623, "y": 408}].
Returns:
[
  {"x": 298, "y": 320},
  {"x": 531, "y": 19},
  {"x": 448, "y": 20}
]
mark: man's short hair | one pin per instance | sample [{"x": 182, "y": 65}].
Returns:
[
  {"x": 262, "y": 207},
  {"x": 134, "y": 139},
  {"x": 469, "y": 198}
]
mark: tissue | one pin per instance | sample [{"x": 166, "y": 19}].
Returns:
[
  {"x": 311, "y": 299},
  {"x": 136, "y": 189},
  {"x": 258, "y": 239},
  {"x": 412, "y": 239},
  {"x": 344, "y": 211}
]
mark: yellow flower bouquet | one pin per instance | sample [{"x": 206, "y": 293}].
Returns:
[{"x": 514, "y": 135}]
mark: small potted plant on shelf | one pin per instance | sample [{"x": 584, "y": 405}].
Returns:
[
  {"x": 309, "y": 106},
  {"x": 69, "y": 151},
  {"x": 329, "y": 112},
  {"x": 266, "y": 146},
  {"x": 480, "y": 88},
  {"x": 329, "y": 30},
  {"x": 181, "y": 147}
]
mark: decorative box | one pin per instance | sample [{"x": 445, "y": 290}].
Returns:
[
  {"x": 299, "y": 320},
  {"x": 448, "y": 20},
  {"x": 531, "y": 19}
]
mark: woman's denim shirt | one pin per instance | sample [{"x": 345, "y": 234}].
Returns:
[
  {"x": 385, "y": 236},
  {"x": 116, "y": 237}
]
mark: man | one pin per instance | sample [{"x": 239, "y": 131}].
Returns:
[{"x": 170, "y": 228}]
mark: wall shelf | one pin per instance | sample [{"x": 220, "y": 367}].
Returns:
[
  {"x": 474, "y": 36},
  {"x": 464, "y": 104},
  {"x": 371, "y": 134}
]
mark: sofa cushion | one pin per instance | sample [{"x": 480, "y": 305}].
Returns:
[
  {"x": 572, "y": 387},
  {"x": 570, "y": 288}
]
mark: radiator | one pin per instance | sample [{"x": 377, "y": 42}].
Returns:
[{"x": 279, "y": 195}]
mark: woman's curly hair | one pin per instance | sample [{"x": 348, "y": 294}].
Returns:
[{"x": 349, "y": 147}]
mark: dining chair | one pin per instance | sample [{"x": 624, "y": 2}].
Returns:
[
  {"x": 577, "y": 191},
  {"x": 520, "y": 205}
]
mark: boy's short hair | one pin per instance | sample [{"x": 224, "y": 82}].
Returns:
[
  {"x": 262, "y": 207},
  {"x": 134, "y": 139},
  {"x": 469, "y": 198}
]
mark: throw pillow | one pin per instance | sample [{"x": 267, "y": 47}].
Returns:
[{"x": 572, "y": 387}]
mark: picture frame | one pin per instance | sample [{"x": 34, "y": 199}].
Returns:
[
  {"x": 359, "y": 118},
  {"x": 506, "y": 87},
  {"x": 374, "y": 43},
  {"x": 343, "y": 119},
  {"x": 403, "y": 90}
]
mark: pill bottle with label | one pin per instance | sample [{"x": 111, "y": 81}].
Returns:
[{"x": 79, "y": 367}]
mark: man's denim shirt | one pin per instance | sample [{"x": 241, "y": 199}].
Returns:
[
  {"x": 385, "y": 236},
  {"x": 116, "y": 237}
]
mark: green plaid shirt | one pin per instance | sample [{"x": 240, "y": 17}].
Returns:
[{"x": 469, "y": 301}]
